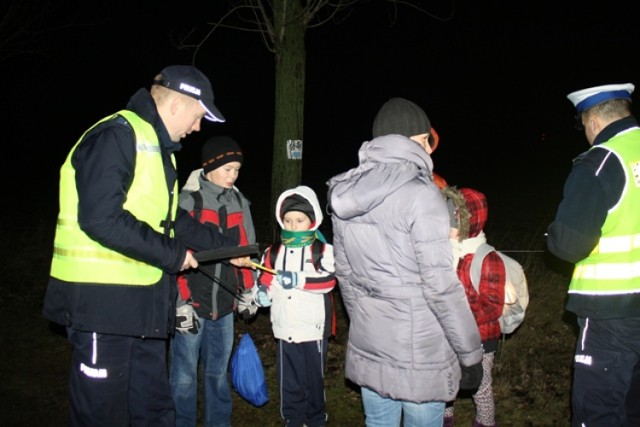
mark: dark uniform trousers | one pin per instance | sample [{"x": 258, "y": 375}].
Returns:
[
  {"x": 606, "y": 378},
  {"x": 119, "y": 381}
]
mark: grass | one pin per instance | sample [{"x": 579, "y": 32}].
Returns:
[{"x": 532, "y": 373}]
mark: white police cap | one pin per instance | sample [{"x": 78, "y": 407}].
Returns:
[{"x": 587, "y": 98}]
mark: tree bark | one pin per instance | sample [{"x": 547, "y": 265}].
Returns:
[{"x": 289, "y": 97}]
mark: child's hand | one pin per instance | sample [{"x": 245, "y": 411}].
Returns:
[
  {"x": 262, "y": 297},
  {"x": 288, "y": 279}
]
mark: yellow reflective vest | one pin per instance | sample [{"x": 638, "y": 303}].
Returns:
[
  {"x": 613, "y": 267},
  {"x": 78, "y": 258}
]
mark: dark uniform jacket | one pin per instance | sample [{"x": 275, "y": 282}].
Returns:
[
  {"x": 104, "y": 162},
  {"x": 593, "y": 187}
]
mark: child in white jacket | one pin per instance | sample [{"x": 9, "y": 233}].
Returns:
[{"x": 301, "y": 302}]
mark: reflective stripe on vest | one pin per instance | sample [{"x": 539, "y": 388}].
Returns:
[
  {"x": 77, "y": 257},
  {"x": 618, "y": 244},
  {"x": 613, "y": 267}
]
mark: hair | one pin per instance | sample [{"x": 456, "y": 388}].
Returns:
[
  {"x": 611, "y": 110},
  {"x": 161, "y": 94}
]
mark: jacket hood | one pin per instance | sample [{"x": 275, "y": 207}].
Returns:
[
  {"x": 309, "y": 195},
  {"x": 385, "y": 164},
  {"x": 477, "y": 205},
  {"x": 457, "y": 206}
]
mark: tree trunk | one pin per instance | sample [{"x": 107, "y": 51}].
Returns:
[{"x": 289, "y": 98}]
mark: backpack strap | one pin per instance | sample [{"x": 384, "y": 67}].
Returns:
[
  {"x": 273, "y": 253},
  {"x": 197, "y": 204},
  {"x": 317, "y": 251},
  {"x": 476, "y": 263}
]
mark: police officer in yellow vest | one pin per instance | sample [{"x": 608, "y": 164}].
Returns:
[
  {"x": 597, "y": 227},
  {"x": 120, "y": 241}
]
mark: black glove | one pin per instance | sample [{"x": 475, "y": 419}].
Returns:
[{"x": 471, "y": 377}]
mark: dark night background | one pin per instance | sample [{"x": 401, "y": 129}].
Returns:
[{"x": 493, "y": 79}]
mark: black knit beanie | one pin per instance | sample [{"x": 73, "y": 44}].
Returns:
[
  {"x": 400, "y": 116},
  {"x": 218, "y": 151},
  {"x": 296, "y": 202}
]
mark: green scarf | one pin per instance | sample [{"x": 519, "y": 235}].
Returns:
[{"x": 299, "y": 239}]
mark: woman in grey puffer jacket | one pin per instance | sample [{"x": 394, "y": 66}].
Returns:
[{"x": 410, "y": 323}]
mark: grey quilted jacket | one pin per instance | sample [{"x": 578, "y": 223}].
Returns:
[{"x": 410, "y": 323}]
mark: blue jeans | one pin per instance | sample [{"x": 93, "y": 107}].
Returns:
[
  {"x": 212, "y": 345},
  {"x": 386, "y": 412}
]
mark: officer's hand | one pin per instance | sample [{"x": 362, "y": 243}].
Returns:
[{"x": 189, "y": 262}]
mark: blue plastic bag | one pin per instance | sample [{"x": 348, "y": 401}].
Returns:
[{"x": 247, "y": 375}]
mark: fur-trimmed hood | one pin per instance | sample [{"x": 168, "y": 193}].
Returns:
[
  {"x": 458, "y": 207},
  {"x": 470, "y": 208}
]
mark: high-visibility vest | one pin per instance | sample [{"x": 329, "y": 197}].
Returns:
[
  {"x": 77, "y": 257},
  {"x": 613, "y": 267}
]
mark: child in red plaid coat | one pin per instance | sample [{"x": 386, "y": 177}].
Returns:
[{"x": 469, "y": 211}]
